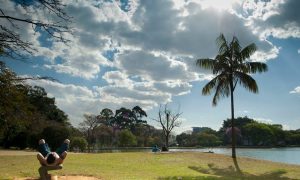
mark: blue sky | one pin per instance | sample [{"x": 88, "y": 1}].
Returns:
[{"x": 139, "y": 52}]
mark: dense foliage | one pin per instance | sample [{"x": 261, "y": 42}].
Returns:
[
  {"x": 125, "y": 127},
  {"x": 28, "y": 114}
]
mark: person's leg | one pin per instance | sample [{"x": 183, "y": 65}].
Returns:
[
  {"x": 63, "y": 155},
  {"x": 62, "y": 150},
  {"x": 43, "y": 147},
  {"x": 44, "y": 150},
  {"x": 41, "y": 159}
]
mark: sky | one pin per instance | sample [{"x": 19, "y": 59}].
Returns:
[{"x": 125, "y": 53}]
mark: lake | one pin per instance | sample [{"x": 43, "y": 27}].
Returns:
[{"x": 284, "y": 155}]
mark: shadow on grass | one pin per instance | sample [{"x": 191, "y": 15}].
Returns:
[{"x": 230, "y": 173}]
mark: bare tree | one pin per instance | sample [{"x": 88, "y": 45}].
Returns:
[
  {"x": 88, "y": 127},
  {"x": 55, "y": 24},
  {"x": 168, "y": 120}
]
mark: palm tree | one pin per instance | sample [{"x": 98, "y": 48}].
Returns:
[{"x": 230, "y": 68}]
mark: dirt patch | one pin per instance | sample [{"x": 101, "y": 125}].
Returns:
[{"x": 64, "y": 178}]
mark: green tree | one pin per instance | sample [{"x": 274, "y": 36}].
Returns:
[
  {"x": 259, "y": 133},
  {"x": 127, "y": 119},
  {"x": 46, "y": 105},
  {"x": 106, "y": 115},
  {"x": 25, "y": 111},
  {"x": 55, "y": 135},
  {"x": 187, "y": 140},
  {"x": 15, "y": 109},
  {"x": 208, "y": 140},
  {"x": 230, "y": 67},
  {"x": 239, "y": 123},
  {"x": 126, "y": 138},
  {"x": 279, "y": 135},
  {"x": 78, "y": 142},
  {"x": 138, "y": 114},
  {"x": 104, "y": 135}
]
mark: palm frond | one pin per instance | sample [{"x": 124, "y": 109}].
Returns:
[
  {"x": 254, "y": 67},
  {"x": 246, "y": 81},
  {"x": 222, "y": 44},
  {"x": 209, "y": 86},
  {"x": 206, "y": 63},
  {"x": 222, "y": 89},
  {"x": 248, "y": 51},
  {"x": 235, "y": 49},
  {"x": 236, "y": 45}
]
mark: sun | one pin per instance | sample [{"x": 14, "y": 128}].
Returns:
[{"x": 219, "y": 4}]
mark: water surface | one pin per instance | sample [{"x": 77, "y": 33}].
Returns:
[{"x": 284, "y": 155}]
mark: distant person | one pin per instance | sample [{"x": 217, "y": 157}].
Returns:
[
  {"x": 155, "y": 149},
  {"x": 48, "y": 158}
]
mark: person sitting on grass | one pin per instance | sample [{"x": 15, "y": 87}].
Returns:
[{"x": 48, "y": 158}]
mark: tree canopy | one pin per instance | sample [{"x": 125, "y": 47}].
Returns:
[{"x": 25, "y": 111}]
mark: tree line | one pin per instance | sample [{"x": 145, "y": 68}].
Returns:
[
  {"x": 122, "y": 128},
  {"x": 28, "y": 114},
  {"x": 249, "y": 132}
]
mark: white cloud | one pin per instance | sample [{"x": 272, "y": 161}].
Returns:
[
  {"x": 296, "y": 90},
  {"x": 298, "y": 51},
  {"x": 174, "y": 88},
  {"x": 152, "y": 67},
  {"x": 156, "y": 43},
  {"x": 264, "y": 120},
  {"x": 286, "y": 127},
  {"x": 277, "y": 18},
  {"x": 78, "y": 100},
  {"x": 117, "y": 78},
  {"x": 102, "y": 25}
]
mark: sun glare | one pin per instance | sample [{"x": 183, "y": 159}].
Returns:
[{"x": 218, "y": 4}]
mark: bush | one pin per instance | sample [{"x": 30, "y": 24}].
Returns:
[{"x": 78, "y": 142}]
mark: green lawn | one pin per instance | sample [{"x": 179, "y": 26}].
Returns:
[{"x": 181, "y": 165}]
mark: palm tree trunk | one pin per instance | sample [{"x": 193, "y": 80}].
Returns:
[{"x": 233, "y": 137}]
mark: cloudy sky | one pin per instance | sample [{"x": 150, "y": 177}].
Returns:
[{"x": 142, "y": 52}]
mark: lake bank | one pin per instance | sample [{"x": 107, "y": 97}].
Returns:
[{"x": 146, "y": 165}]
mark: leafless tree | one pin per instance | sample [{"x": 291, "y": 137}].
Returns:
[
  {"x": 168, "y": 120},
  {"x": 55, "y": 24},
  {"x": 88, "y": 127}
]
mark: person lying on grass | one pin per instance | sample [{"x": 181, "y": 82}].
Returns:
[{"x": 48, "y": 158}]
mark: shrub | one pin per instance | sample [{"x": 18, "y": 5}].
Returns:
[{"x": 78, "y": 142}]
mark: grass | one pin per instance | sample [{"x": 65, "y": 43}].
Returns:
[{"x": 144, "y": 165}]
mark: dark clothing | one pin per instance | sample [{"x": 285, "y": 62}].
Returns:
[{"x": 44, "y": 149}]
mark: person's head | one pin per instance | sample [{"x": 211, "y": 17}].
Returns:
[{"x": 50, "y": 158}]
